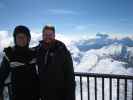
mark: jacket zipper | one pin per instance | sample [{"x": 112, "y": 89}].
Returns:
[{"x": 46, "y": 57}]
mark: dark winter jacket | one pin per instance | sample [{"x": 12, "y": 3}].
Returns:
[
  {"x": 19, "y": 63},
  {"x": 56, "y": 73}
]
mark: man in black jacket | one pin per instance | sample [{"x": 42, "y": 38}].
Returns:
[
  {"x": 56, "y": 73},
  {"x": 19, "y": 64}
]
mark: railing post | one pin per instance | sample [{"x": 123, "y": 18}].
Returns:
[
  {"x": 95, "y": 88},
  {"x": 88, "y": 86},
  {"x": 118, "y": 89},
  {"x": 110, "y": 88},
  {"x": 102, "y": 88},
  {"x": 125, "y": 89},
  {"x": 132, "y": 89},
  {"x": 81, "y": 88}
]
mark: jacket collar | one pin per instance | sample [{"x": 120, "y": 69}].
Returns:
[{"x": 46, "y": 45}]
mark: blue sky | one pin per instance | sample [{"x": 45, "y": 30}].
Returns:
[{"x": 70, "y": 17}]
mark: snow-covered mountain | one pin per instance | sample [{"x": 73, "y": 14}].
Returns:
[{"x": 103, "y": 54}]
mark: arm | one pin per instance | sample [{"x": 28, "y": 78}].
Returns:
[
  {"x": 69, "y": 76},
  {"x": 4, "y": 72}
]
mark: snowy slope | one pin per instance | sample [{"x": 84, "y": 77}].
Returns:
[{"x": 103, "y": 54}]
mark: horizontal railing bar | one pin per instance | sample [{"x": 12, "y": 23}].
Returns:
[{"x": 103, "y": 75}]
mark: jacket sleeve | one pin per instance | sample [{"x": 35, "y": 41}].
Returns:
[
  {"x": 69, "y": 76},
  {"x": 4, "y": 72}
]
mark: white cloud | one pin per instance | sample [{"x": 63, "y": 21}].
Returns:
[
  {"x": 35, "y": 38},
  {"x": 5, "y": 39},
  {"x": 62, "y": 11},
  {"x": 67, "y": 40}
]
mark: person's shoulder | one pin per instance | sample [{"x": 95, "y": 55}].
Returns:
[
  {"x": 60, "y": 44},
  {"x": 8, "y": 52},
  {"x": 39, "y": 45},
  {"x": 32, "y": 50},
  {"x": 35, "y": 48},
  {"x": 8, "y": 49}
]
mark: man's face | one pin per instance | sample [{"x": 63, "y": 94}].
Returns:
[
  {"x": 21, "y": 40},
  {"x": 48, "y": 35}
]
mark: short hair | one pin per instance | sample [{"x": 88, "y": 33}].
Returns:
[{"x": 48, "y": 27}]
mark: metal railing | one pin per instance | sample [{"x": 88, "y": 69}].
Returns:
[{"x": 123, "y": 86}]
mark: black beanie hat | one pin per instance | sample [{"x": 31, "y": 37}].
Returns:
[{"x": 22, "y": 29}]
